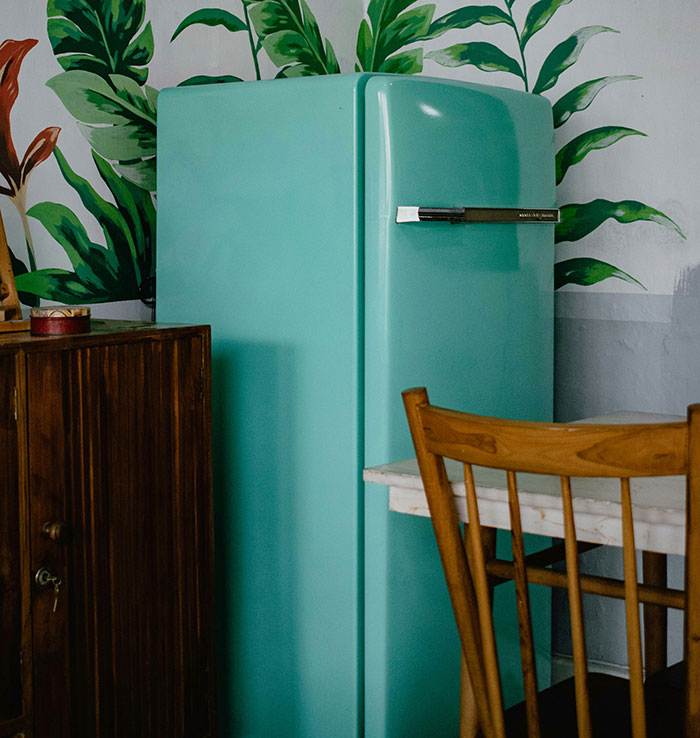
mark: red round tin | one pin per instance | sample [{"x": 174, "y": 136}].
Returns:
[{"x": 58, "y": 320}]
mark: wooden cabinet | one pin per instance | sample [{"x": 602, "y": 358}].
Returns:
[{"x": 105, "y": 485}]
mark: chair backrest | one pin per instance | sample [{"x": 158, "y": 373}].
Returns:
[{"x": 565, "y": 450}]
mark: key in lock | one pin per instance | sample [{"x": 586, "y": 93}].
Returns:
[{"x": 44, "y": 578}]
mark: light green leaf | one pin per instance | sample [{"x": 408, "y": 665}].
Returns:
[
  {"x": 116, "y": 116},
  {"x": 585, "y": 271},
  {"x": 577, "y": 220},
  {"x": 203, "y": 79},
  {"x": 101, "y": 36},
  {"x": 141, "y": 173},
  {"x": 467, "y": 16},
  {"x": 389, "y": 30},
  {"x": 211, "y": 17},
  {"x": 598, "y": 138},
  {"x": 538, "y": 16},
  {"x": 564, "y": 55},
  {"x": 486, "y": 57},
  {"x": 582, "y": 96},
  {"x": 290, "y": 35}
]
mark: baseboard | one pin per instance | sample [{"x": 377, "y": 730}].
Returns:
[{"x": 563, "y": 667}]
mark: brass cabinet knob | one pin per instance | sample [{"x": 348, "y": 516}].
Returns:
[{"x": 57, "y": 532}]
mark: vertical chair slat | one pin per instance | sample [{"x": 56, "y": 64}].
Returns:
[
  {"x": 692, "y": 578},
  {"x": 634, "y": 636},
  {"x": 481, "y": 588},
  {"x": 454, "y": 561},
  {"x": 654, "y": 567},
  {"x": 527, "y": 642},
  {"x": 578, "y": 638}
]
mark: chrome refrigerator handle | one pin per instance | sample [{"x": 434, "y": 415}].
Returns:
[{"x": 414, "y": 214}]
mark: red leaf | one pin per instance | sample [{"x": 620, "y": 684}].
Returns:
[
  {"x": 39, "y": 149},
  {"x": 11, "y": 55}
]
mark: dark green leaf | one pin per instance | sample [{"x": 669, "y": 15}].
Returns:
[
  {"x": 116, "y": 116},
  {"x": 598, "y": 138},
  {"x": 66, "y": 287},
  {"x": 211, "y": 17},
  {"x": 101, "y": 36},
  {"x": 582, "y": 96},
  {"x": 136, "y": 206},
  {"x": 290, "y": 36},
  {"x": 565, "y": 55},
  {"x": 19, "y": 267},
  {"x": 486, "y": 57},
  {"x": 538, "y": 16},
  {"x": 468, "y": 16},
  {"x": 580, "y": 219},
  {"x": 407, "y": 62},
  {"x": 389, "y": 30},
  {"x": 121, "y": 250},
  {"x": 203, "y": 79},
  {"x": 91, "y": 262},
  {"x": 585, "y": 271}
]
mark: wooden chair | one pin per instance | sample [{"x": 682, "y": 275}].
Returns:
[{"x": 587, "y": 705}]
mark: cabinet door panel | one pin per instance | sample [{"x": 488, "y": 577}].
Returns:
[
  {"x": 48, "y": 445},
  {"x": 140, "y": 506},
  {"x": 15, "y": 650}
]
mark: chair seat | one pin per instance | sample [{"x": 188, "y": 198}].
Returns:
[{"x": 610, "y": 708}]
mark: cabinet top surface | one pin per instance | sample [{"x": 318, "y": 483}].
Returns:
[{"x": 101, "y": 332}]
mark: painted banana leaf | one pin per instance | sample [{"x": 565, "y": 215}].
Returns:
[
  {"x": 582, "y": 96},
  {"x": 292, "y": 39},
  {"x": 585, "y": 271},
  {"x": 117, "y": 117},
  {"x": 466, "y": 17},
  {"x": 122, "y": 269},
  {"x": 577, "y": 220},
  {"x": 389, "y": 30},
  {"x": 105, "y": 37},
  {"x": 578, "y": 148},
  {"x": 565, "y": 55},
  {"x": 480, "y": 54},
  {"x": 211, "y": 17}
]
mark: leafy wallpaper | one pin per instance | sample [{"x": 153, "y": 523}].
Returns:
[{"x": 92, "y": 240}]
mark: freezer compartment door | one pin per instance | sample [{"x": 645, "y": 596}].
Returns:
[{"x": 464, "y": 309}]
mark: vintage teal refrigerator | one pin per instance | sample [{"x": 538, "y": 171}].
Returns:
[{"x": 278, "y": 204}]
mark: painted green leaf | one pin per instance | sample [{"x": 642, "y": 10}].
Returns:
[
  {"x": 141, "y": 173},
  {"x": 538, "y": 16},
  {"x": 577, "y": 220},
  {"x": 598, "y": 138},
  {"x": 211, "y": 17},
  {"x": 19, "y": 268},
  {"x": 389, "y": 30},
  {"x": 582, "y": 96},
  {"x": 487, "y": 15},
  {"x": 116, "y": 116},
  {"x": 91, "y": 262},
  {"x": 486, "y": 57},
  {"x": 137, "y": 208},
  {"x": 585, "y": 271},
  {"x": 406, "y": 62},
  {"x": 564, "y": 55},
  {"x": 121, "y": 250},
  {"x": 101, "y": 36},
  {"x": 203, "y": 79},
  {"x": 290, "y": 36},
  {"x": 62, "y": 286}
]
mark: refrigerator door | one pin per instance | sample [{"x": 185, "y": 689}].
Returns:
[
  {"x": 258, "y": 234},
  {"x": 465, "y": 310}
]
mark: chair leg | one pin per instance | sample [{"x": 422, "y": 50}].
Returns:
[
  {"x": 468, "y": 720},
  {"x": 655, "y": 618}
]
